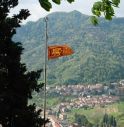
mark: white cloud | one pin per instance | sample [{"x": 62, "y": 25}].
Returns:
[{"x": 83, "y": 6}]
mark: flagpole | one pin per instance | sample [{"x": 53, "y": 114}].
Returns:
[{"x": 45, "y": 68}]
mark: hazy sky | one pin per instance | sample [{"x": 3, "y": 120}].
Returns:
[{"x": 83, "y": 6}]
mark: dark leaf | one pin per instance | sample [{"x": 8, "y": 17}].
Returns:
[
  {"x": 70, "y": 1},
  {"x": 45, "y": 4},
  {"x": 94, "y": 20},
  {"x": 57, "y": 1}
]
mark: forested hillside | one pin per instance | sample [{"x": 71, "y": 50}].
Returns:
[{"x": 99, "y": 50}]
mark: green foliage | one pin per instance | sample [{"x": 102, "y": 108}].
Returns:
[
  {"x": 94, "y": 20},
  {"x": 45, "y": 4},
  {"x": 109, "y": 121},
  {"x": 57, "y": 1},
  {"x": 104, "y": 7},
  {"x": 98, "y": 50},
  {"x": 82, "y": 120},
  {"x": 16, "y": 84},
  {"x": 70, "y": 1},
  {"x": 48, "y": 5}
]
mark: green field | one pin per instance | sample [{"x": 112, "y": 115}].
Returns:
[{"x": 95, "y": 115}]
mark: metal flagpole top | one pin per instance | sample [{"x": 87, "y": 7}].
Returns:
[{"x": 46, "y": 19}]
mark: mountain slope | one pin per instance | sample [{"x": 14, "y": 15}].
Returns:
[{"x": 99, "y": 50}]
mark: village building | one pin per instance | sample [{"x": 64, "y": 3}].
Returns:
[{"x": 120, "y": 92}]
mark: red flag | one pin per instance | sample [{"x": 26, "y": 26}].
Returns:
[{"x": 56, "y": 51}]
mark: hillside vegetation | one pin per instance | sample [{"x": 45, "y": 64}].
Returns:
[{"x": 99, "y": 50}]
